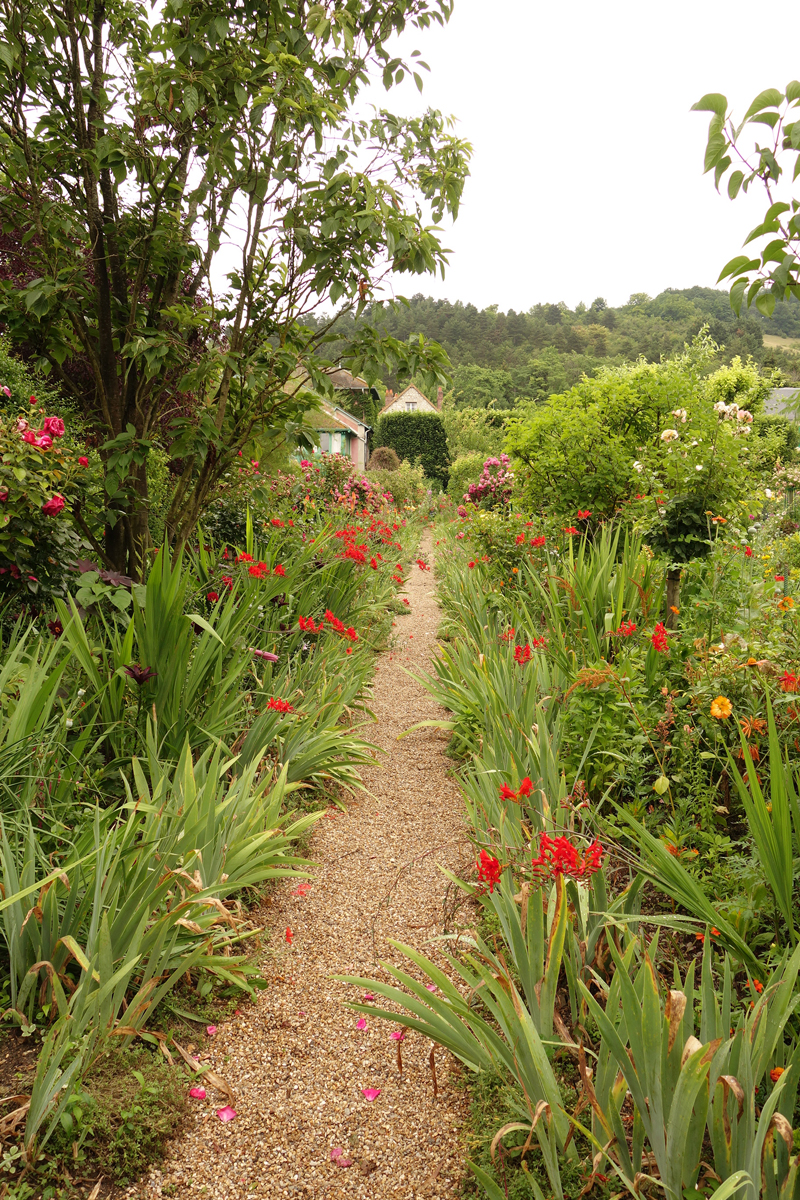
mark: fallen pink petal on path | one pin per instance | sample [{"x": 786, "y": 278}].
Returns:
[
  {"x": 361, "y": 1023},
  {"x": 399, "y": 1035},
  {"x": 368, "y": 996},
  {"x": 431, "y": 987},
  {"x": 370, "y": 1093},
  {"x": 343, "y": 1162},
  {"x": 336, "y": 1152},
  {"x": 302, "y": 889},
  {"x": 197, "y": 1093},
  {"x": 227, "y": 1113},
  {"x": 211, "y": 1030}
]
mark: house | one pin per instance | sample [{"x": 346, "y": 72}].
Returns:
[
  {"x": 410, "y": 399},
  {"x": 339, "y": 432}
]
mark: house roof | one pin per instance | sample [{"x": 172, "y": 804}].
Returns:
[
  {"x": 331, "y": 416},
  {"x": 409, "y": 393},
  {"x": 342, "y": 379},
  {"x": 781, "y": 402}
]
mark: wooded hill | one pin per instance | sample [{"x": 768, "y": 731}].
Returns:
[{"x": 510, "y": 356}]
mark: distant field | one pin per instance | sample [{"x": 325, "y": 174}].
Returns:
[{"x": 782, "y": 343}]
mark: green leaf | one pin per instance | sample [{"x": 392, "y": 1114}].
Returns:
[
  {"x": 793, "y": 90},
  {"x": 770, "y": 98},
  {"x": 712, "y": 102},
  {"x": 734, "y": 184},
  {"x": 661, "y": 785},
  {"x": 765, "y": 303},
  {"x": 738, "y": 265}
]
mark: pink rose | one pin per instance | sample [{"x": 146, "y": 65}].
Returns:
[
  {"x": 53, "y": 506},
  {"x": 44, "y": 442},
  {"x": 3, "y": 495},
  {"x": 54, "y": 426},
  {"x": 29, "y": 436},
  {"x": 22, "y": 424}
]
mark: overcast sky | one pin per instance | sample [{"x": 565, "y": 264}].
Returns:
[{"x": 587, "y": 178}]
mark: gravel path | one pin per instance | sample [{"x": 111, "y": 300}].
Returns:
[{"x": 295, "y": 1060}]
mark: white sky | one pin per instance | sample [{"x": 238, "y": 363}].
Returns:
[{"x": 587, "y": 178}]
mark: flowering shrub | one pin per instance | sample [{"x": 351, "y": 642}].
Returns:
[
  {"x": 38, "y": 472},
  {"x": 493, "y": 489}
]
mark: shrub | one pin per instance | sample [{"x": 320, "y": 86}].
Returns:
[
  {"x": 464, "y": 471},
  {"x": 407, "y": 484},
  {"x": 417, "y": 435},
  {"x": 384, "y": 458}
]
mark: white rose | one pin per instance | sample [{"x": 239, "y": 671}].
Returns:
[
  {"x": 637, "y": 466},
  {"x": 768, "y": 493},
  {"x": 669, "y": 435},
  {"x": 699, "y": 467},
  {"x": 681, "y": 414}
]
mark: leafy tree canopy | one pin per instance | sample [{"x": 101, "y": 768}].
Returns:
[{"x": 181, "y": 195}]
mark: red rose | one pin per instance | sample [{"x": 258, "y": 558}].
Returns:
[
  {"x": 83, "y": 461},
  {"x": 53, "y": 506}
]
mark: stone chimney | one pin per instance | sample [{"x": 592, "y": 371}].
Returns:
[{"x": 440, "y": 399}]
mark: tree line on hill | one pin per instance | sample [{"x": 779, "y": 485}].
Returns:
[{"x": 506, "y": 357}]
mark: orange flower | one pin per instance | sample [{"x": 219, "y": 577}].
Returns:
[
  {"x": 721, "y": 708},
  {"x": 701, "y": 937},
  {"x": 714, "y": 931},
  {"x": 672, "y": 608},
  {"x": 776, "y": 1073}
]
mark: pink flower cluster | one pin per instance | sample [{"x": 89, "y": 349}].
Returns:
[{"x": 494, "y": 485}]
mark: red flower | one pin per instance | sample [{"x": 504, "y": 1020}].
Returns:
[
  {"x": 289, "y": 935},
  {"x": 53, "y": 506},
  {"x": 659, "y": 638},
  {"x": 245, "y": 558},
  {"x": 507, "y": 793},
  {"x": 558, "y": 856},
  {"x": 776, "y": 1073},
  {"x": 788, "y": 682},
  {"x": 373, "y": 564},
  {"x": 779, "y": 578},
  {"x": 538, "y": 541},
  {"x": 228, "y": 581},
  {"x": 626, "y": 629},
  {"x": 489, "y": 870},
  {"x": 281, "y": 706},
  {"x": 279, "y": 570},
  {"x": 53, "y": 426},
  {"x": 584, "y": 514},
  {"x": 522, "y": 655},
  {"x": 277, "y": 522},
  {"x": 520, "y": 538},
  {"x": 470, "y": 565},
  {"x": 525, "y": 787},
  {"x": 212, "y": 597},
  {"x": 33, "y": 399},
  {"x": 83, "y": 461},
  {"x": 570, "y": 529},
  {"x": 748, "y": 552}
]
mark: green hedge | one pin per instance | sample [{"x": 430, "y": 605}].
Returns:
[
  {"x": 417, "y": 435},
  {"x": 465, "y": 470}
]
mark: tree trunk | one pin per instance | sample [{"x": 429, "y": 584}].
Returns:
[{"x": 673, "y": 596}]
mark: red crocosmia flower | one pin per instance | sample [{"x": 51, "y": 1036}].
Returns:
[
  {"x": 520, "y": 538},
  {"x": 776, "y": 1073},
  {"x": 626, "y": 629},
  {"x": 659, "y": 638},
  {"x": 584, "y": 514},
  {"x": 471, "y": 565},
  {"x": 277, "y": 522},
  {"x": 408, "y": 602},
  {"x": 279, "y": 570},
  {"x": 558, "y": 856},
  {"x": 538, "y": 541},
  {"x": 526, "y": 787},
  {"x": 748, "y": 552},
  {"x": 758, "y": 985},
  {"x": 373, "y": 564},
  {"x": 288, "y": 935},
  {"x": 507, "y": 793},
  {"x": 244, "y": 558},
  {"x": 489, "y": 870},
  {"x": 212, "y": 597},
  {"x": 570, "y": 529},
  {"x": 83, "y": 461},
  {"x": 522, "y": 655},
  {"x": 228, "y": 581},
  {"x": 714, "y": 931},
  {"x": 281, "y": 706},
  {"x": 779, "y": 578},
  {"x": 788, "y": 682}
]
